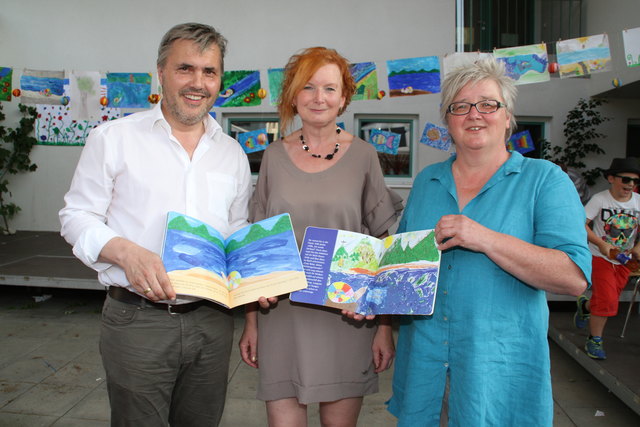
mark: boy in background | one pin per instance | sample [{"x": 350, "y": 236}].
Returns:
[{"x": 612, "y": 231}]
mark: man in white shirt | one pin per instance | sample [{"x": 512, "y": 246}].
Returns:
[{"x": 166, "y": 357}]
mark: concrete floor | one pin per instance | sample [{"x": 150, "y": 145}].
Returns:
[{"x": 51, "y": 374}]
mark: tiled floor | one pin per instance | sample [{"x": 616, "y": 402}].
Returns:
[{"x": 51, "y": 374}]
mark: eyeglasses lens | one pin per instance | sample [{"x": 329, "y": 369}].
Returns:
[{"x": 485, "y": 107}]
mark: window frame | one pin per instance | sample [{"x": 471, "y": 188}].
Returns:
[
  {"x": 540, "y": 21},
  {"x": 410, "y": 120},
  {"x": 230, "y": 118}
]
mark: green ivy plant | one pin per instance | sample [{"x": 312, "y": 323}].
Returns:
[
  {"x": 580, "y": 131},
  {"x": 15, "y": 147}
]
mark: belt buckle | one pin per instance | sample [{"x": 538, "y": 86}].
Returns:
[{"x": 171, "y": 312}]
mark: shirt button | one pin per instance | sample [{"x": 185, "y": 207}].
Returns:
[
  {"x": 445, "y": 318},
  {"x": 449, "y": 267},
  {"x": 446, "y": 364},
  {"x": 445, "y": 292}
]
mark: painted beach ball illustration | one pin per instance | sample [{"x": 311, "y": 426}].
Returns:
[
  {"x": 340, "y": 292},
  {"x": 234, "y": 279}
]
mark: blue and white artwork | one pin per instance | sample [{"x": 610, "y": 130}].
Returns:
[
  {"x": 128, "y": 90},
  {"x": 384, "y": 141},
  {"x": 436, "y": 137},
  {"x": 255, "y": 140},
  {"x": 42, "y": 87},
  {"x": 525, "y": 64},
  {"x": 583, "y": 55},
  {"x": 413, "y": 76}
]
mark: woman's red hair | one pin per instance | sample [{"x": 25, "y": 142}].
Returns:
[{"x": 299, "y": 70}]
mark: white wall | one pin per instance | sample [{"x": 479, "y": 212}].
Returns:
[{"x": 123, "y": 35}]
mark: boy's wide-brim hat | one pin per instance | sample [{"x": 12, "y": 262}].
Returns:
[{"x": 628, "y": 164}]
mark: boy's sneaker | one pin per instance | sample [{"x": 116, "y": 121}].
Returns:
[
  {"x": 594, "y": 348},
  {"x": 580, "y": 318}
]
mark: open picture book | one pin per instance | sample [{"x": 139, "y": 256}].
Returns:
[
  {"x": 360, "y": 273},
  {"x": 259, "y": 260}
]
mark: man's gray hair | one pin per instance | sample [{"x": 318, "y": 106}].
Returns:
[
  {"x": 483, "y": 69},
  {"x": 201, "y": 34}
]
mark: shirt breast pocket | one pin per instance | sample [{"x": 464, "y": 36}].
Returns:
[{"x": 221, "y": 191}]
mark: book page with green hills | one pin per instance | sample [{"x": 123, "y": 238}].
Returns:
[
  {"x": 360, "y": 273},
  {"x": 259, "y": 260}
]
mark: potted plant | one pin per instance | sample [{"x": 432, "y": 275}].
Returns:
[
  {"x": 580, "y": 131},
  {"x": 15, "y": 147}
]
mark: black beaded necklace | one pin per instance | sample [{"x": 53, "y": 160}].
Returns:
[{"x": 329, "y": 156}]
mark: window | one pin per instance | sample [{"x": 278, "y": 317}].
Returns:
[
  {"x": 238, "y": 124},
  {"x": 398, "y": 165},
  {"x": 633, "y": 138},
  {"x": 483, "y": 25}
]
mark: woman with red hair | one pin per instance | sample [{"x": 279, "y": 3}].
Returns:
[{"x": 324, "y": 177}]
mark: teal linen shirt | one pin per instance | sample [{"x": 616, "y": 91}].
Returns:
[{"x": 489, "y": 329}]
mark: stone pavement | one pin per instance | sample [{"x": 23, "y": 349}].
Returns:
[{"x": 51, "y": 374}]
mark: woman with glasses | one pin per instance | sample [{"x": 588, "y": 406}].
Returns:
[{"x": 510, "y": 228}]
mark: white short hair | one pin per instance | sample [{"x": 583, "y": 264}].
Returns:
[{"x": 483, "y": 69}]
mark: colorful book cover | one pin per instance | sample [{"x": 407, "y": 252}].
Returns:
[
  {"x": 360, "y": 273},
  {"x": 259, "y": 260}
]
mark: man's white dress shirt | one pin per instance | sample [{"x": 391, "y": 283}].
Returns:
[{"x": 132, "y": 171}]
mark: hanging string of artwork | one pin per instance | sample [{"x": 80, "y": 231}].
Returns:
[{"x": 71, "y": 103}]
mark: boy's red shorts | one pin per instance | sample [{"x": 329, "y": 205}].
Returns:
[{"x": 608, "y": 280}]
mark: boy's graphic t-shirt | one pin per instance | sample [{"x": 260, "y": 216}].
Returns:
[{"x": 613, "y": 221}]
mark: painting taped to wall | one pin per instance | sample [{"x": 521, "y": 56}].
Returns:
[
  {"x": 525, "y": 64},
  {"x": 128, "y": 90},
  {"x": 240, "y": 89},
  {"x": 55, "y": 126},
  {"x": 85, "y": 92},
  {"x": 583, "y": 56},
  {"x": 413, "y": 76},
  {"x": 366, "y": 78},
  {"x": 631, "y": 40},
  {"x": 436, "y": 137},
  {"x": 276, "y": 77},
  {"x": 385, "y": 141},
  {"x": 6, "y": 75},
  {"x": 41, "y": 87}
]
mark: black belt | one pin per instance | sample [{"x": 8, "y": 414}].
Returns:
[{"x": 123, "y": 295}]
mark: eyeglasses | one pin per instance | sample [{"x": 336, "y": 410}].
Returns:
[
  {"x": 628, "y": 179},
  {"x": 487, "y": 106}
]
